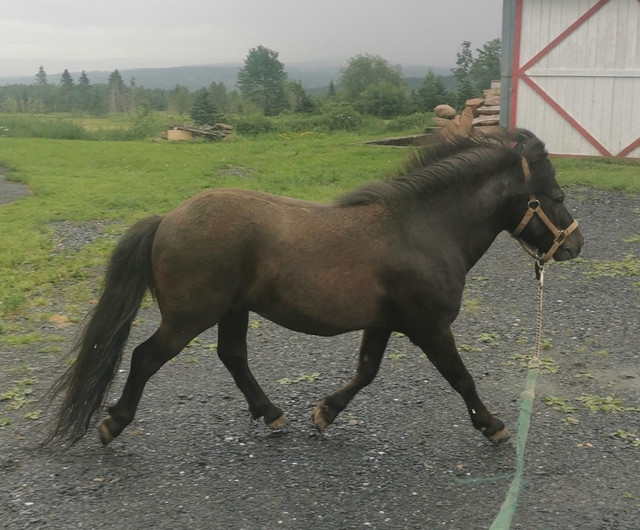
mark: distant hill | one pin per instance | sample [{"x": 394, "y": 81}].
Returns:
[{"x": 313, "y": 76}]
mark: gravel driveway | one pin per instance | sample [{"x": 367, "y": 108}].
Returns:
[{"x": 404, "y": 454}]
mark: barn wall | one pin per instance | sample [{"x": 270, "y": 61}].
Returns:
[{"x": 573, "y": 68}]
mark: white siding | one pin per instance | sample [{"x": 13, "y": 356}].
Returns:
[{"x": 593, "y": 75}]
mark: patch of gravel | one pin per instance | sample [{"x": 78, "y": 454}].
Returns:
[
  {"x": 403, "y": 455},
  {"x": 73, "y": 236},
  {"x": 11, "y": 191}
]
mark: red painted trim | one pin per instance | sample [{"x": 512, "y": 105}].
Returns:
[
  {"x": 554, "y": 105},
  {"x": 631, "y": 147},
  {"x": 515, "y": 64},
  {"x": 568, "y": 31}
]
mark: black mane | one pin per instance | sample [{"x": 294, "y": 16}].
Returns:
[{"x": 451, "y": 162}]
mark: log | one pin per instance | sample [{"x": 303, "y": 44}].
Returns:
[
  {"x": 486, "y": 120},
  {"x": 485, "y": 110}
]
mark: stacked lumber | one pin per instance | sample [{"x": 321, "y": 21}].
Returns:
[{"x": 218, "y": 131}]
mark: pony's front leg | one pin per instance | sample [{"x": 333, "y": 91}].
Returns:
[
  {"x": 439, "y": 346},
  {"x": 372, "y": 348}
]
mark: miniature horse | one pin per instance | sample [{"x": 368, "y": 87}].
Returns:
[{"x": 390, "y": 256}]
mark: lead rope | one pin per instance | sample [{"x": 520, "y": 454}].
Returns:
[
  {"x": 525, "y": 406},
  {"x": 535, "y": 361}
]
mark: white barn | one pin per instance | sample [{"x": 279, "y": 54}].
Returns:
[{"x": 571, "y": 74}]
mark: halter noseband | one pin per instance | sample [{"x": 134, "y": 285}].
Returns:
[{"x": 534, "y": 208}]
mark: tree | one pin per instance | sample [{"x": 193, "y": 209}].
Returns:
[
  {"x": 204, "y": 110},
  {"x": 218, "y": 94},
  {"x": 298, "y": 99},
  {"x": 43, "y": 96},
  {"x": 67, "y": 89},
  {"x": 475, "y": 74},
  {"x": 462, "y": 73},
  {"x": 486, "y": 66},
  {"x": 180, "y": 100},
  {"x": 41, "y": 77},
  {"x": 430, "y": 93},
  {"x": 383, "y": 99},
  {"x": 333, "y": 94},
  {"x": 363, "y": 71},
  {"x": 132, "y": 93},
  {"x": 117, "y": 93},
  {"x": 83, "y": 92},
  {"x": 262, "y": 80}
]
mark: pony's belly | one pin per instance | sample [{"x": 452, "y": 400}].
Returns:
[{"x": 325, "y": 321}]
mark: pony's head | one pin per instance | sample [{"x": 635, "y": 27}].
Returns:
[{"x": 544, "y": 225}]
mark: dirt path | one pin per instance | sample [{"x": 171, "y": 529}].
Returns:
[{"x": 404, "y": 454}]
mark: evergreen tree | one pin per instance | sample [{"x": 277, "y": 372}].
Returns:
[
  {"x": 262, "y": 80},
  {"x": 298, "y": 99},
  {"x": 67, "y": 89},
  {"x": 43, "y": 96},
  {"x": 204, "y": 111},
  {"x": 180, "y": 100},
  {"x": 218, "y": 94},
  {"x": 332, "y": 90},
  {"x": 117, "y": 93},
  {"x": 83, "y": 92},
  {"x": 132, "y": 94},
  {"x": 430, "y": 93},
  {"x": 41, "y": 77}
]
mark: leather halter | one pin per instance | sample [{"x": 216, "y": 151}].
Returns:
[{"x": 534, "y": 208}]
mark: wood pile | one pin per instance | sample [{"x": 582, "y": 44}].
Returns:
[
  {"x": 481, "y": 112},
  {"x": 218, "y": 132}
]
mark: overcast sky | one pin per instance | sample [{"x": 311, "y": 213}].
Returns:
[{"x": 105, "y": 35}]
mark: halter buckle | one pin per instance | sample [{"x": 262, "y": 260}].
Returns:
[{"x": 562, "y": 235}]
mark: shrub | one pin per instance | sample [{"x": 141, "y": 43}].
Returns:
[
  {"x": 252, "y": 125},
  {"x": 418, "y": 121},
  {"x": 341, "y": 117}
]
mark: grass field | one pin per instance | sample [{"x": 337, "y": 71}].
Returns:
[{"x": 74, "y": 180}]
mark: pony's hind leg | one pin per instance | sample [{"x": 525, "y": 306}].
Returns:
[
  {"x": 147, "y": 358},
  {"x": 232, "y": 350},
  {"x": 372, "y": 349},
  {"x": 439, "y": 346}
]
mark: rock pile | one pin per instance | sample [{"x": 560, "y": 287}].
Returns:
[{"x": 478, "y": 112}]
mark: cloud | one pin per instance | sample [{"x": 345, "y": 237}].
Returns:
[{"x": 77, "y": 34}]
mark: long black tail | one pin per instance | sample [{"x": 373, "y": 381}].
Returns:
[{"x": 99, "y": 347}]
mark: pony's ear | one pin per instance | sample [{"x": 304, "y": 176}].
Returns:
[{"x": 527, "y": 145}]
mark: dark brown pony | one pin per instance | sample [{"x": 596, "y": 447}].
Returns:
[{"x": 389, "y": 256}]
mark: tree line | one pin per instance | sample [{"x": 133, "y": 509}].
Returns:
[{"x": 368, "y": 84}]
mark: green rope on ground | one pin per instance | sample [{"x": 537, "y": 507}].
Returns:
[{"x": 525, "y": 406}]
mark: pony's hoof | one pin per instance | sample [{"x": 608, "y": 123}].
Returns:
[
  {"x": 500, "y": 436},
  {"x": 279, "y": 423},
  {"x": 318, "y": 418},
  {"x": 105, "y": 434}
]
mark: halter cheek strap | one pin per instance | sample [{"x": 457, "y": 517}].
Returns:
[{"x": 534, "y": 208}]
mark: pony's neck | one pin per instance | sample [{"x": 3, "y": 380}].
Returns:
[{"x": 475, "y": 218}]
